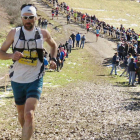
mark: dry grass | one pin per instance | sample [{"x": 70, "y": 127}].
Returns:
[
  {"x": 114, "y": 12},
  {"x": 12, "y": 8},
  {"x": 3, "y": 19}
]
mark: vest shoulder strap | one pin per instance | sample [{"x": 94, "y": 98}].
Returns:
[{"x": 21, "y": 35}]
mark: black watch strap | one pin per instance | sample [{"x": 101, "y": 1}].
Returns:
[{"x": 54, "y": 59}]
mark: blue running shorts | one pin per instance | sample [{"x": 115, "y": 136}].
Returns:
[{"x": 22, "y": 91}]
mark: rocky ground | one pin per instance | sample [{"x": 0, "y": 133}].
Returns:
[{"x": 82, "y": 110}]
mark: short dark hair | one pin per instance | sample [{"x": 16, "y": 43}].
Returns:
[{"x": 24, "y": 5}]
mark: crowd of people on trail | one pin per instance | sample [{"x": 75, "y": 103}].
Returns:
[
  {"x": 91, "y": 21},
  {"x": 64, "y": 50},
  {"x": 42, "y": 22},
  {"x": 128, "y": 54},
  {"x": 128, "y": 46}
]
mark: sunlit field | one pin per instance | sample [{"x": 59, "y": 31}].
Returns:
[{"x": 114, "y": 12}]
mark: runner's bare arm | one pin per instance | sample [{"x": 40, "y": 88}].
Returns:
[
  {"x": 6, "y": 45},
  {"x": 47, "y": 37}
]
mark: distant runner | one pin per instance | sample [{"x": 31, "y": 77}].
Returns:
[{"x": 97, "y": 33}]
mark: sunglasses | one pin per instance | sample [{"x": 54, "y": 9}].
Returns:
[{"x": 28, "y": 17}]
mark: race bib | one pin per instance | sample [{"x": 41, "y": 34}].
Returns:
[{"x": 29, "y": 59}]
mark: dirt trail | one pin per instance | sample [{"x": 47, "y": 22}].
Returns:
[
  {"x": 90, "y": 111},
  {"x": 104, "y": 48},
  {"x": 84, "y": 110}
]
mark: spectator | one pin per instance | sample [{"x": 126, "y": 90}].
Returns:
[
  {"x": 78, "y": 38},
  {"x": 46, "y": 63},
  {"x": 67, "y": 48},
  {"x": 68, "y": 18},
  {"x": 45, "y": 24},
  {"x": 58, "y": 60},
  {"x": 75, "y": 16},
  {"x": 125, "y": 49},
  {"x": 131, "y": 50},
  {"x": 132, "y": 71},
  {"x": 56, "y": 12},
  {"x": 138, "y": 68},
  {"x": 82, "y": 41},
  {"x": 39, "y": 22},
  {"x": 42, "y": 23},
  {"x": 70, "y": 42},
  {"x": 68, "y": 8},
  {"x": 121, "y": 52},
  {"x": 73, "y": 38},
  {"x": 125, "y": 65},
  {"x": 62, "y": 57},
  {"x": 60, "y": 45},
  {"x": 72, "y": 11},
  {"x": 53, "y": 3},
  {"x": 114, "y": 64}
]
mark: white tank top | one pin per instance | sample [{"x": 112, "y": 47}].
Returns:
[{"x": 24, "y": 73}]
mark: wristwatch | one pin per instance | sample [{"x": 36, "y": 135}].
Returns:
[{"x": 54, "y": 59}]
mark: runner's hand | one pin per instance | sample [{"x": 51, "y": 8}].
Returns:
[
  {"x": 52, "y": 65},
  {"x": 17, "y": 55}
]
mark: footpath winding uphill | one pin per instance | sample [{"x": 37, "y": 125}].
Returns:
[{"x": 85, "y": 110}]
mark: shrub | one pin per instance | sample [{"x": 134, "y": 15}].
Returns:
[{"x": 12, "y": 7}]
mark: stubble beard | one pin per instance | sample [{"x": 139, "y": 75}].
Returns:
[{"x": 27, "y": 27}]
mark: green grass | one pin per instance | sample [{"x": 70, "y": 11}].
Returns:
[
  {"x": 4, "y": 64},
  {"x": 76, "y": 67},
  {"x": 116, "y": 79}
]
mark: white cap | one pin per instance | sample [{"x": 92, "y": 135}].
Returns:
[{"x": 29, "y": 9}]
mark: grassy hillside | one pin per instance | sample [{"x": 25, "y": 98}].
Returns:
[
  {"x": 74, "y": 69},
  {"x": 114, "y": 12}
]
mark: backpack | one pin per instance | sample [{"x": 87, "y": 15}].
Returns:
[{"x": 83, "y": 38}]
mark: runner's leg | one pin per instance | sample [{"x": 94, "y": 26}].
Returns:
[
  {"x": 28, "y": 126},
  {"x": 20, "y": 109}
]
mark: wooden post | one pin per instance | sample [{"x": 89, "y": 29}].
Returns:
[{"x": 5, "y": 82}]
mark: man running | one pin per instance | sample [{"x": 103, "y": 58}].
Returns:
[
  {"x": 97, "y": 33},
  {"x": 52, "y": 13},
  {"x": 87, "y": 27},
  {"x": 56, "y": 11},
  {"x": 27, "y": 71},
  {"x": 68, "y": 18}
]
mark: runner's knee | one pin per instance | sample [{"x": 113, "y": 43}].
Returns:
[{"x": 29, "y": 116}]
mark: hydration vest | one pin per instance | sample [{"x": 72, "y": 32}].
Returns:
[{"x": 32, "y": 49}]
